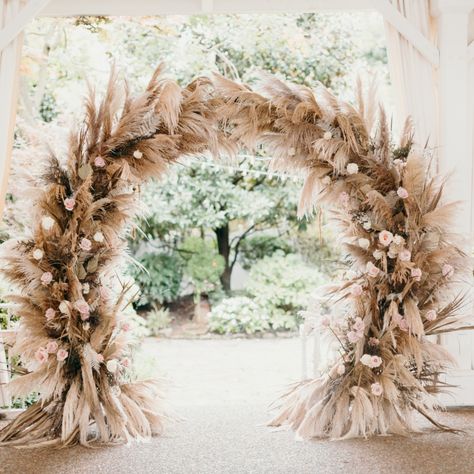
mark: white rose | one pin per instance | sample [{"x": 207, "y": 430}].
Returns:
[
  {"x": 326, "y": 180},
  {"x": 47, "y": 223},
  {"x": 352, "y": 168},
  {"x": 38, "y": 254},
  {"x": 367, "y": 225},
  {"x": 99, "y": 237},
  {"x": 327, "y": 135},
  {"x": 64, "y": 307},
  {"x": 366, "y": 359},
  {"x": 385, "y": 237},
  {"x": 112, "y": 365},
  {"x": 364, "y": 243},
  {"x": 399, "y": 240},
  {"x": 137, "y": 154}
]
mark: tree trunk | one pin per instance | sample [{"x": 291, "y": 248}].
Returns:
[{"x": 223, "y": 245}]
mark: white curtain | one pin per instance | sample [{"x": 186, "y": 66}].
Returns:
[{"x": 413, "y": 77}]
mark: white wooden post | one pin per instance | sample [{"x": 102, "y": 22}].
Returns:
[
  {"x": 9, "y": 75},
  {"x": 455, "y": 156}
]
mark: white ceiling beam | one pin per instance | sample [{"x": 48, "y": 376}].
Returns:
[
  {"x": 190, "y": 7},
  {"x": 408, "y": 31},
  {"x": 18, "y": 23},
  {"x": 9, "y": 74}
]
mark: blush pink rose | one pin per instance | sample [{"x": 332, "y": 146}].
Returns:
[
  {"x": 41, "y": 355},
  {"x": 50, "y": 314},
  {"x": 125, "y": 362},
  {"x": 403, "y": 324},
  {"x": 69, "y": 203},
  {"x": 416, "y": 273},
  {"x": 46, "y": 278},
  {"x": 99, "y": 162},
  {"x": 356, "y": 290},
  {"x": 373, "y": 341},
  {"x": 83, "y": 308},
  {"x": 402, "y": 193},
  {"x": 358, "y": 325},
  {"x": 404, "y": 255},
  {"x": 126, "y": 327},
  {"x": 375, "y": 361},
  {"x": 62, "y": 355},
  {"x": 52, "y": 347},
  {"x": 376, "y": 389},
  {"x": 353, "y": 336},
  {"x": 385, "y": 238},
  {"x": 431, "y": 315},
  {"x": 372, "y": 270},
  {"x": 100, "y": 358},
  {"x": 86, "y": 244},
  {"x": 448, "y": 270},
  {"x": 325, "y": 322}
]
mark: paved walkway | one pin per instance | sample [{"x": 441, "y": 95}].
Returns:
[{"x": 221, "y": 390}]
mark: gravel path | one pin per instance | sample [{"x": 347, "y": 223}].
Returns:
[{"x": 221, "y": 390}]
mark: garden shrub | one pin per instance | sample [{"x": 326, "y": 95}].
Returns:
[
  {"x": 238, "y": 314},
  {"x": 203, "y": 265},
  {"x": 158, "y": 319},
  {"x": 260, "y": 246},
  {"x": 161, "y": 282},
  {"x": 279, "y": 287},
  {"x": 282, "y": 285}
]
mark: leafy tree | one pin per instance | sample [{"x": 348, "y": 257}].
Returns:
[{"x": 232, "y": 202}]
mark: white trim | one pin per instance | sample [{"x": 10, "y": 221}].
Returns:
[
  {"x": 207, "y": 6},
  {"x": 470, "y": 51},
  {"x": 18, "y": 23},
  {"x": 9, "y": 75},
  {"x": 407, "y": 30},
  {"x": 189, "y": 7}
]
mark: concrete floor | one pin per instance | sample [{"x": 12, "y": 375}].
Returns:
[{"x": 221, "y": 390}]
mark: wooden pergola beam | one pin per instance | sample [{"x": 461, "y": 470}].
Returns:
[
  {"x": 408, "y": 31},
  {"x": 16, "y": 24},
  {"x": 191, "y": 7}
]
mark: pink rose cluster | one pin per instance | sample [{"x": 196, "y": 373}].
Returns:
[
  {"x": 400, "y": 321},
  {"x": 376, "y": 389},
  {"x": 372, "y": 270},
  {"x": 83, "y": 308},
  {"x": 52, "y": 347},
  {"x": 357, "y": 331},
  {"x": 372, "y": 361}
]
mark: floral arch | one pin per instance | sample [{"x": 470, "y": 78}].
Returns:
[{"x": 72, "y": 336}]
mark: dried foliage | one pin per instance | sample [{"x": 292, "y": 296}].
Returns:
[
  {"x": 406, "y": 263},
  {"x": 393, "y": 224},
  {"x": 73, "y": 336}
]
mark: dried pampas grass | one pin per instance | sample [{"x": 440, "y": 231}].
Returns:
[
  {"x": 406, "y": 261},
  {"x": 72, "y": 336}
]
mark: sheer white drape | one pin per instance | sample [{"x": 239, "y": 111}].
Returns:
[{"x": 413, "y": 77}]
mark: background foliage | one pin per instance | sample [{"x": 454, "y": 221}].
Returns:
[{"x": 206, "y": 224}]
